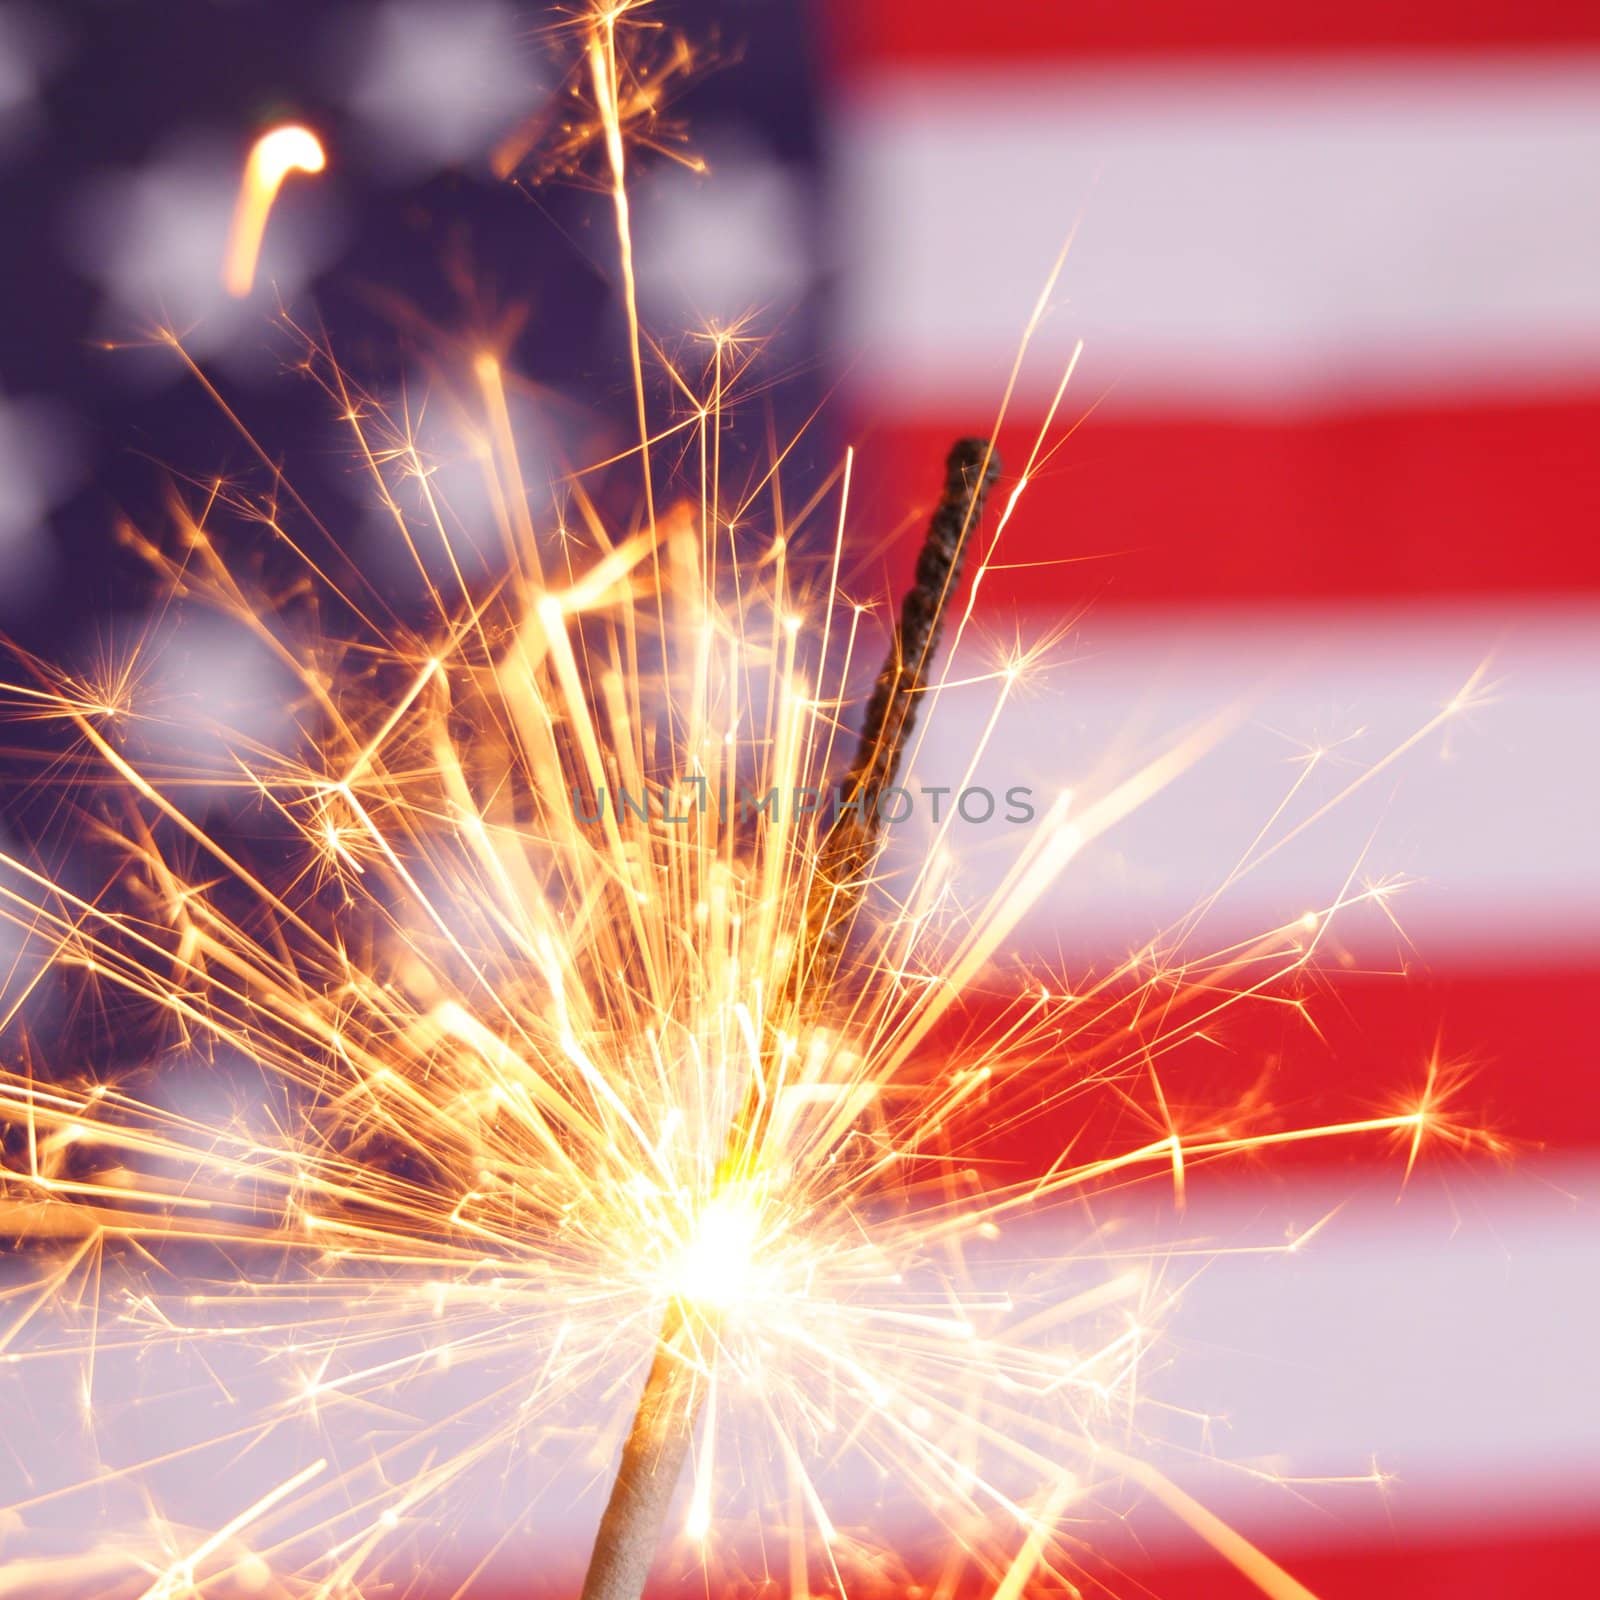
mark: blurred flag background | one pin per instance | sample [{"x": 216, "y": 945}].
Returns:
[
  {"x": 1333, "y": 443},
  {"x": 1330, "y": 456}
]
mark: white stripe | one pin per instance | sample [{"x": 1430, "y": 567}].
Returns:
[
  {"x": 1493, "y": 816},
  {"x": 1441, "y": 1334},
  {"x": 1250, "y": 236},
  {"x": 1446, "y": 1337}
]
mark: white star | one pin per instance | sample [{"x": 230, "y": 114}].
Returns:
[
  {"x": 38, "y": 468},
  {"x": 439, "y": 82},
  {"x": 28, "y": 50},
  {"x": 713, "y": 247}
]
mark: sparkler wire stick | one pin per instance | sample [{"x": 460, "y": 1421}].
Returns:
[
  {"x": 970, "y": 472},
  {"x": 664, "y": 1423},
  {"x": 647, "y": 1474}
]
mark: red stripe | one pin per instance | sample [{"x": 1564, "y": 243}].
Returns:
[
  {"x": 1485, "y": 499},
  {"x": 1375, "y": 1565},
  {"x": 954, "y": 34},
  {"x": 1517, "y": 1054},
  {"x": 1378, "y": 1566}
]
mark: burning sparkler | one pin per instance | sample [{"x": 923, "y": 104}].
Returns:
[
  {"x": 663, "y": 1427},
  {"x": 579, "y": 1101}
]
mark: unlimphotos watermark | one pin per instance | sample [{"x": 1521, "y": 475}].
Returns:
[{"x": 679, "y": 803}]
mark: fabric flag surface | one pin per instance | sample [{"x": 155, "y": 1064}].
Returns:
[{"x": 1328, "y": 457}]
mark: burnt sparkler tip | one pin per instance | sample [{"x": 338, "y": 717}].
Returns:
[
  {"x": 970, "y": 471},
  {"x": 968, "y": 459}
]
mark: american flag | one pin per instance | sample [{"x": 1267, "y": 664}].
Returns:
[
  {"x": 1329, "y": 450},
  {"x": 1328, "y": 456}
]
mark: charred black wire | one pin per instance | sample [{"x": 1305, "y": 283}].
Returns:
[{"x": 970, "y": 472}]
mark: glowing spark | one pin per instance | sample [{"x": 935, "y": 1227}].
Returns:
[
  {"x": 718, "y": 1262},
  {"x": 273, "y": 156}
]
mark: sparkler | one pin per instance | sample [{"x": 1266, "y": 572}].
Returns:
[
  {"x": 600, "y": 1062},
  {"x": 663, "y": 1427}
]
